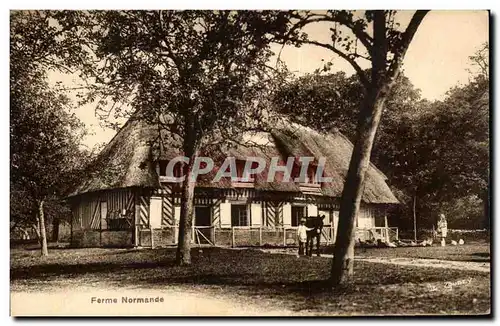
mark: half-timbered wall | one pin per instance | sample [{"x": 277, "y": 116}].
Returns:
[{"x": 152, "y": 218}]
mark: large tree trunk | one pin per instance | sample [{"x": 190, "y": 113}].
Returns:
[
  {"x": 41, "y": 225},
  {"x": 185, "y": 224},
  {"x": 187, "y": 207},
  {"x": 343, "y": 262},
  {"x": 382, "y": 80}
]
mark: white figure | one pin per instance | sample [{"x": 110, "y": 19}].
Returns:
[
  {"x": 442, "y": 228},
  {"x": 461, "y": 242}
]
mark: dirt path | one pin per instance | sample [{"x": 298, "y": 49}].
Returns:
[
  {"x": 462, "y": 265},
  {"x": 175, "y": 302},
  {"x": 422, "y": 262}
]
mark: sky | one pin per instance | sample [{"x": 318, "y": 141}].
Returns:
[{"x": 437, "y": 59}]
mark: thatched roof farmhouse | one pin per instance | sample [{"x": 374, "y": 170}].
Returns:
[{"x": 126, "y": 199}]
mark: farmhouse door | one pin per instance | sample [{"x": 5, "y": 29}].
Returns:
[
  {"x": 327, "y": 235},
  {"x": 203, "y": 225},
  {"x": 298, "y": 212}
]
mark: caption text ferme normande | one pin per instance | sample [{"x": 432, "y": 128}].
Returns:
[{"x": 127, "y": 300}]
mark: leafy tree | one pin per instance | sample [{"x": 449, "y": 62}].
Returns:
[
  {"x": 385, "y": 46},
  {"x": 197, "y": 74},
  {"x": 43, "y": 145},
  {"x": 322, "y": 102},
  {"x": 326, "y": 102},
  {"x": 331, "y": 101},
  {"x": 461, "y": 159},
  {"x": 480, "y": 61},
  {"x": 44, "y": 134}
]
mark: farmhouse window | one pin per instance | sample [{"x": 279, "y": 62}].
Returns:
[{"x": 239, "y": 215}]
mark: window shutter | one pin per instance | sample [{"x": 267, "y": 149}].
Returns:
[
  {"x": 287, "y": 214},
  {"x": 312, "y": 210},
  {"x": 256, "y": 217},
  {"x": 225, "y": 215}
]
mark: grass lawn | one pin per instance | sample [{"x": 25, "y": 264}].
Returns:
[{"x": 271, "y": 280}]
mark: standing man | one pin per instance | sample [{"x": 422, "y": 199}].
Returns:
[{"x": 442, "y": 228}]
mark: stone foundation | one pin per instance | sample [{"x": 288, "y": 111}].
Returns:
[
  {"x": 106, "y": 238},
  {"x": 163, "y": 237}
]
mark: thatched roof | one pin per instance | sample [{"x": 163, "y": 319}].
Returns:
[
  {"x": 124, "y": 161},
  {"x": 127, "y": 161}
]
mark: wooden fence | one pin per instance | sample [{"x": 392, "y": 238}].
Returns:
[{"x": 260, "y": 236}]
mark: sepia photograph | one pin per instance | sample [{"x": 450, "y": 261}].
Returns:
[{"x": 284, "y": 163}]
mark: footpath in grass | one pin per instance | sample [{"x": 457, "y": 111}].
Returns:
[
  {"x": 270, "y": 280},
  {"x": 469, "y": 257},
  {"x": 478, "y": 252}
]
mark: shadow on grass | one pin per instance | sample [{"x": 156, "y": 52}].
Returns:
[
  {"x": 482, "y": 257},
  {"x": 482, "y": 254},
  {"x": 259, "y": 276},
  {"x": 210, "y": 266},
  {"x": 48, "y": 271}
]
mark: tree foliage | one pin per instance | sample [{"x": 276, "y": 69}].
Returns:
[{"x": 45, "y": 155}]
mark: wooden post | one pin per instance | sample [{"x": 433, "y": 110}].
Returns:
[
  {"x": 136, "y": 219},
  {"x": 329, "y": 238},
  {"x": 100, "y": 220},
  {"x": 415, "y": 218},
  {"x": 387, "y": 238},
  {"x": 152, "y": 238},
  {"x": 232, "y": 236},
  {"x": 284, "y": 236},
  {"x": 260, "y": 235},
  {"x": 327, "y": 235},
  {"x": 71, "y": 226}
]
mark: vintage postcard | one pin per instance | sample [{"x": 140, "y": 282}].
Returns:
[{"x": 249, "y": 163}]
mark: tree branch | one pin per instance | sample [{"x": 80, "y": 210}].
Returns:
[
  {"x": 364, "y": 38},
  {"x": 347, "y": 57},
  {"x": 406, "y": 40}
]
